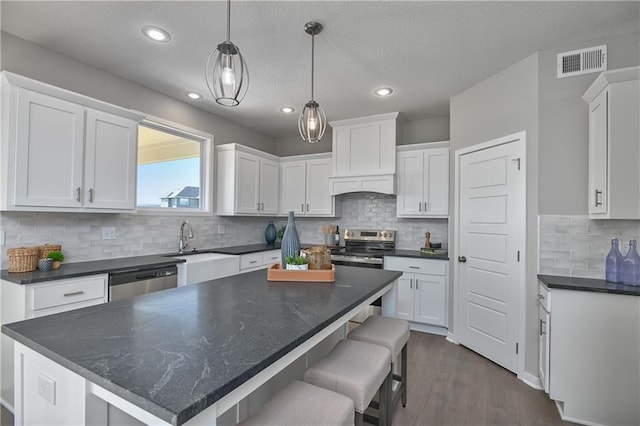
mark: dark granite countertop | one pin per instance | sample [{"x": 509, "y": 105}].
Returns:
[
  {"x": 588, "y": 284},
  {"x": 174, "y": 353},
  {"x": 79, "y": 269},
  {"x": 417, "y": 254}
]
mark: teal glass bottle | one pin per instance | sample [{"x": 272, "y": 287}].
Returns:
[
  {"x": 290, "y": 241},
  {"x": 270, "y": 233}
]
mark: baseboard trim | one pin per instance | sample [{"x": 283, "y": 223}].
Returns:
[
  {"x": 452, "y": 338},
  {"x": 425, "y": 328},
  {"x": 7, "y": 406},
  {"x": 531, "y": 380},
  {"x": 560, "y": 407}
]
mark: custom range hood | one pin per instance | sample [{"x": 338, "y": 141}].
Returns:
[{"x": 364, "y": 154}]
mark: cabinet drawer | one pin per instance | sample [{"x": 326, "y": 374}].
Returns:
[
  {"x": 544, "y": 297},
  {"x": 270, "y": 257},
  {"x": 409, "y": 264},
  {"x": 250, "y": 260},
  {"x": 68, "y": 292}
]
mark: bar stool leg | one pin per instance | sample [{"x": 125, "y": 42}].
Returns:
[
  {"x": 403, "y": 369},
  {"x": 358, "y": 419}
]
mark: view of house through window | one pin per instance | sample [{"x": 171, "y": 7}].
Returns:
[{"x": 169, "y": 169}]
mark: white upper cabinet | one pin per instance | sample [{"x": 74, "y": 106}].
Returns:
[
  {"x": 423, "y": 180},
  {"x": 247, "y": 181},
  {"x": 614, "y": 144},
  {"x": 59, "y": 153},
  {"x": 304, "y": 185},
  {"x": 364, "y": 154}
]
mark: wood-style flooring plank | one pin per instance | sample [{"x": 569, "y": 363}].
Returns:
[{"x": 449, "y": 385}]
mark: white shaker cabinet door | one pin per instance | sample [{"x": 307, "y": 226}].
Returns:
[
  {"x": 410, "y": 183},
  {"x": 110, "y": 161},
  {"x": 292, "y": 190},
  {"x": 598, "y": 147},
  {"x": 248, "y": 183},
  {"x": 269, "y": 186},
  {"x": 319, "y": 202},
  {"x": 404, "y": 297},
  {"x": 430, "y": 299},
  {"x": 48, "y": 168},
  {"x": 436, "y": 182}
]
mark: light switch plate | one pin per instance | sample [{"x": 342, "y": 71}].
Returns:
[
  {"x": 47, "y": 388},
  {"x": 109, "y": 233}
]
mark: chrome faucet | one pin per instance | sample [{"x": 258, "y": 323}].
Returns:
[{"x": 184, "y": 238}]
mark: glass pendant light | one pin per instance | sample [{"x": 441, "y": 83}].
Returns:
[
  {"x": 312, "y": 122},
  {"x": 226, "y": 72}
]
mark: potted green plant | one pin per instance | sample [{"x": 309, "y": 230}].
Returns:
[
  {"x": 297, "y": 262},
  {"x": 57, "y": 258},
  {"x": 280, "y": 232}
]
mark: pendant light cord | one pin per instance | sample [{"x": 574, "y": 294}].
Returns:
[
  {"x": 228, "y": 20},
  {"x": 313, "y": 37}
]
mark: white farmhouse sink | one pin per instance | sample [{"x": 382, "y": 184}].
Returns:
[{"x": 206, "y": 266}]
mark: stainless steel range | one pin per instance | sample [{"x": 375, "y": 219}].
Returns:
[{"x": 364, "y": 248}]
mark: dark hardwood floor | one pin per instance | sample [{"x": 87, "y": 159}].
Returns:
[{"x": 451, "y": 385}]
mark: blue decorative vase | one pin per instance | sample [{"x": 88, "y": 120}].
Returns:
[
  {"x": 270, "y": 233},
  {"x": 290, "y": 241}
]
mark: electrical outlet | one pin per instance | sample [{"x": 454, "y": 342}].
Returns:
[
  {"x": 47, "y": 388},
  {"x": 109, "y": 233}
]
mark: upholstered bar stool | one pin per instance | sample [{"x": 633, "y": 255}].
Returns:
[
  {"x": 304, "y": 404},
  {"x": 357, "y": 370},
  {"x": 393, "y": 334}
]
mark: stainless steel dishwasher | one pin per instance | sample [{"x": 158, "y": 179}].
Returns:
[{"x": 143, "y": 281}]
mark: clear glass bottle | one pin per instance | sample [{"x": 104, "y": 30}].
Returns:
[
  {"x": 630, "y": 265},
  {"x": 614, "y": 263}
]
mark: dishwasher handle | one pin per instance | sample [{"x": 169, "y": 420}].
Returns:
[{"x": 142, "y": 275}]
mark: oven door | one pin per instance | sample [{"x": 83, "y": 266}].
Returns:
[{"x": 360, "y": 261}]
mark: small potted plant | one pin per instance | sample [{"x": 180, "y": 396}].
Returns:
[
  {"x": 280, "y": 232},
  {"x": 57, "y": 258},
  {"x": 297, "y": 262}
]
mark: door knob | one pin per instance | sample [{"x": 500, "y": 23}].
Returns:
[{"x": 462, "y": 259}]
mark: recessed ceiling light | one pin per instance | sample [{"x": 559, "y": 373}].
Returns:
[
  {"x": 384, "y": 91},
  {"x": 156, "y": 33},
  {"x": 286, "y": 109},
  {"x": 193, "y": 95}
]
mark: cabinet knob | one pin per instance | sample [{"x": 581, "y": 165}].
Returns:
[{"x": 462, "y": 259}]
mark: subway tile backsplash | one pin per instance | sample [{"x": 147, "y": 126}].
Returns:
[
  {"x": 81, "y": 233},
  {"x": 576, "y": 246}
]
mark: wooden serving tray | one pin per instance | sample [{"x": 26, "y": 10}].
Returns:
[{"x": 276, "y": 273}]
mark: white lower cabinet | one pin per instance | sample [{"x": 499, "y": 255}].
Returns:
[
  {"x": 593, "y": 349},
  {"x": 260, "y": 260},
  {"x": 421, "y": 292},
  {"x": 26, "y": 301}
]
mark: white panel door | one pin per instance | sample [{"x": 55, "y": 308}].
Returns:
[
  {"x": 110, "y": 161},
  {"x": 598, "y": 149},
  {"x": 436, "y": 181},
  {"x": 404, "y": 297},
  {"x": 269, "y": 186},
  {"x": 319, "y": 202},
  {"x": 410, "y": 198},
  {"x": 49, "y": 152},
  {"x": 491, "y": 194},
  {"x": 248, "y": 183},
  {"x": 292, "y": 189},
  {"x": 430, "y": 299}
]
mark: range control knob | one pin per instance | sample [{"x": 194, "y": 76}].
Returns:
[
  {"x": 384, "y": 234},
  {"x": 349, "y": 234}
]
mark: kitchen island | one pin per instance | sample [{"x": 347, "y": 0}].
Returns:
[{"x": 185, "y": 355}]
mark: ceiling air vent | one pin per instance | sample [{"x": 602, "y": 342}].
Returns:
[{"x": 582, "y": 61}]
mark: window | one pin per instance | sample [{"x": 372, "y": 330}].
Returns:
[{"x": 172, "y": 169}]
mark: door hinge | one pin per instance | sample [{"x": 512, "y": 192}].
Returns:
[
  {"x": 516, "y": 347},
  {"x": 516, "y": 160},
  {"x": 518, "y": 255}
]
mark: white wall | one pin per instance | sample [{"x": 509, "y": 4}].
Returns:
[
  {"x": 28, "y": 59},
  {"x": 501, "y": 105}
]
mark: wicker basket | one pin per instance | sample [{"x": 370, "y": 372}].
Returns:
[
  {"x": 44, "y": 250},
  {"x": 23, "y": 259}
]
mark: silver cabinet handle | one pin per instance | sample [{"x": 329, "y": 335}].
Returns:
[
  {"x": 262, "y": 206},
  {"x": 91, "y": 195},
  {"x": 414, "y": 267},
  {"x": 307, "y": 207},
  {"x": 410, "y": 282},
  {"x": 425, "y": 206},
  {"x": 302, "y": 207},
  {"x": 258, "y": 206},
  {"x": 75, "y": 293},
  {"x": 541, "y": 327},
  {"x": 254, "y": 261},
  {"x": 417, "y": 284},
  {"x": 540, "y": 296},
  {"x": 78, "y": 194},
  {"x": 419, "y": 206},
  {"x": 598, "y": 203}
]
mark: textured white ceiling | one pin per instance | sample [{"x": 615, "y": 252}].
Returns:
[{"x": 427, "y": 51}]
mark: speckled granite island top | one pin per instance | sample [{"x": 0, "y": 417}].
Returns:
[
  {"x": 588, "y": 284},
  {"x": 174, "y": 353}
]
